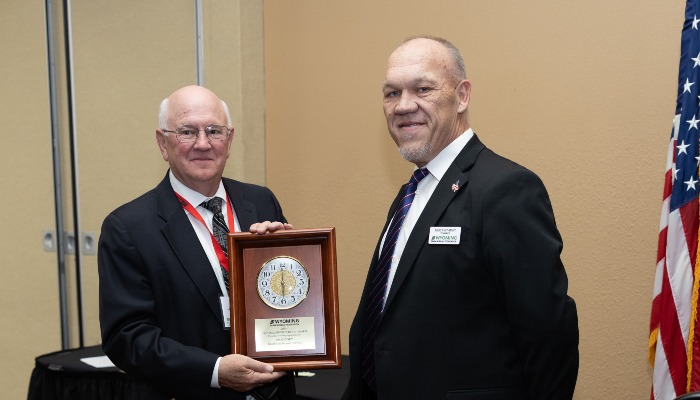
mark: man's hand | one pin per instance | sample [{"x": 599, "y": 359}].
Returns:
[
  {"x": 242, "y": 373},
  {"x": 262, "y": 228}
]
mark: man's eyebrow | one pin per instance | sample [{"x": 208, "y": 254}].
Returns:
[
  {"x": 418, "y": 81},
  {"x": 425, "y": 80}
]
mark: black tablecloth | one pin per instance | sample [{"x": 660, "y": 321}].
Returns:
[
  {"x": 62, "y": 376},
  {"x": 326, "y": 384}
]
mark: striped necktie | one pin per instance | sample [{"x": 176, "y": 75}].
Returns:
[
  {"x": 379, "y": 278},
  {"x": 219, "y": 228}
]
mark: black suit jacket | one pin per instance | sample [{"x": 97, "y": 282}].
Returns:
[
  {"x": 160, "y": 313},
  {"x": 488, "y": 318}
]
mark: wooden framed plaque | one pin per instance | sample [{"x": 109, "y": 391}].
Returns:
[{"x": 284, "y": 298}]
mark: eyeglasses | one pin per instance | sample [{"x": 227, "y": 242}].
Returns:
[{"x": 189, "y": 134}]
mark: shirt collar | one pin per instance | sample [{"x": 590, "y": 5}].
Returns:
[
  {"x": 438, "y": 165},
  {"x": 193, "y": 197}
]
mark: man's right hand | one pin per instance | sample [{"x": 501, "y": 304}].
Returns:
[
  {"x": 262, "y": 228},
  {"x": 242, "y": 373}
]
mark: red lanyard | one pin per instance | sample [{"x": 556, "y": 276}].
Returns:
[{"x": 223, "y": 259}]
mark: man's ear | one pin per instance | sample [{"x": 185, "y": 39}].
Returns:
[
  {"x": 464, "y": 89},
  {"x": 160, "y": 139},
  {"x": 230, "y": 141}
]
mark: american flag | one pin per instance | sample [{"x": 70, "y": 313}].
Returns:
[{"x": 674, "y": 340}]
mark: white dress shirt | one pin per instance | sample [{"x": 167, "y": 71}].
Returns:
[{"x": 437, "y": 168}]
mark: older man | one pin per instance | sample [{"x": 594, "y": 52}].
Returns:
[
  {"x": 466, "y": 295},
  {"x": 163, "y": 264}
]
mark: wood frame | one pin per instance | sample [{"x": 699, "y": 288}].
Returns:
[{"x": 315, "y": 249}]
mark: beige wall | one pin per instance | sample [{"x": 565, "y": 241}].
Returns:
[{"x": 582, "y": 92}]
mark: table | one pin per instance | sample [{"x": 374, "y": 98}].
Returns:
[{"x": 62, "y": 376}]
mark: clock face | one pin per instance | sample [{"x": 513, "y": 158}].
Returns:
[{"x": 283, "y": 282}]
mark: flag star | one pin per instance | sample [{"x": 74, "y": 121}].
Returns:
[
  {"x": 691, "y": 183},
  {"x": 698, "y": 160},
  {"x": 675, "y": 173},
  {"x": 693, "y": 123},
  {"x": 682, "y": 147},
  {"x": 687, "y": 85},
  {"x": 695, "y": 22},
  {"x": 697, "y": 60}
]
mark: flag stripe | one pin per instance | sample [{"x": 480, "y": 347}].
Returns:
[{"x": 673, "y": 348}]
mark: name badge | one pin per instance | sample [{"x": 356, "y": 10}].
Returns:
[
  {"x": 444, "y": 234},
  {"x": 225, "y": 312}
]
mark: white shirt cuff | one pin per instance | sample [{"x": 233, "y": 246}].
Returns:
[{"x": 215, "y": 375}]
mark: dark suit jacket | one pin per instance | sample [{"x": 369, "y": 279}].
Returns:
[
  {"x": 488, "y": 318},
  {"x": 160, "y": 313}
]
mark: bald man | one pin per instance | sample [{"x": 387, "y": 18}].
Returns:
[{"x": 163, "y": 282}]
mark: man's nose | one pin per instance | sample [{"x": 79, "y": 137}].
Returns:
[
  {"x": 201, "y": 140},
  {"x": 406, "y": 104}
]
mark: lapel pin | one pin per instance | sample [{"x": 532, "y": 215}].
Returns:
[{"x": 455, "y": 186}]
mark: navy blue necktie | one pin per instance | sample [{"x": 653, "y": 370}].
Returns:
[
  {"x": 219, "y": 228},
  {"x": 379, "y": 278}
]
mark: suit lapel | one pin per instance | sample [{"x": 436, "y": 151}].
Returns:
[
  {"x": 245, "y": 210},
  {"x": 439, "y": 201},
  {"x": 185, "y": 245},
  {"x": 375, "y": 256},
  {"x": 392, "y": 210}
]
